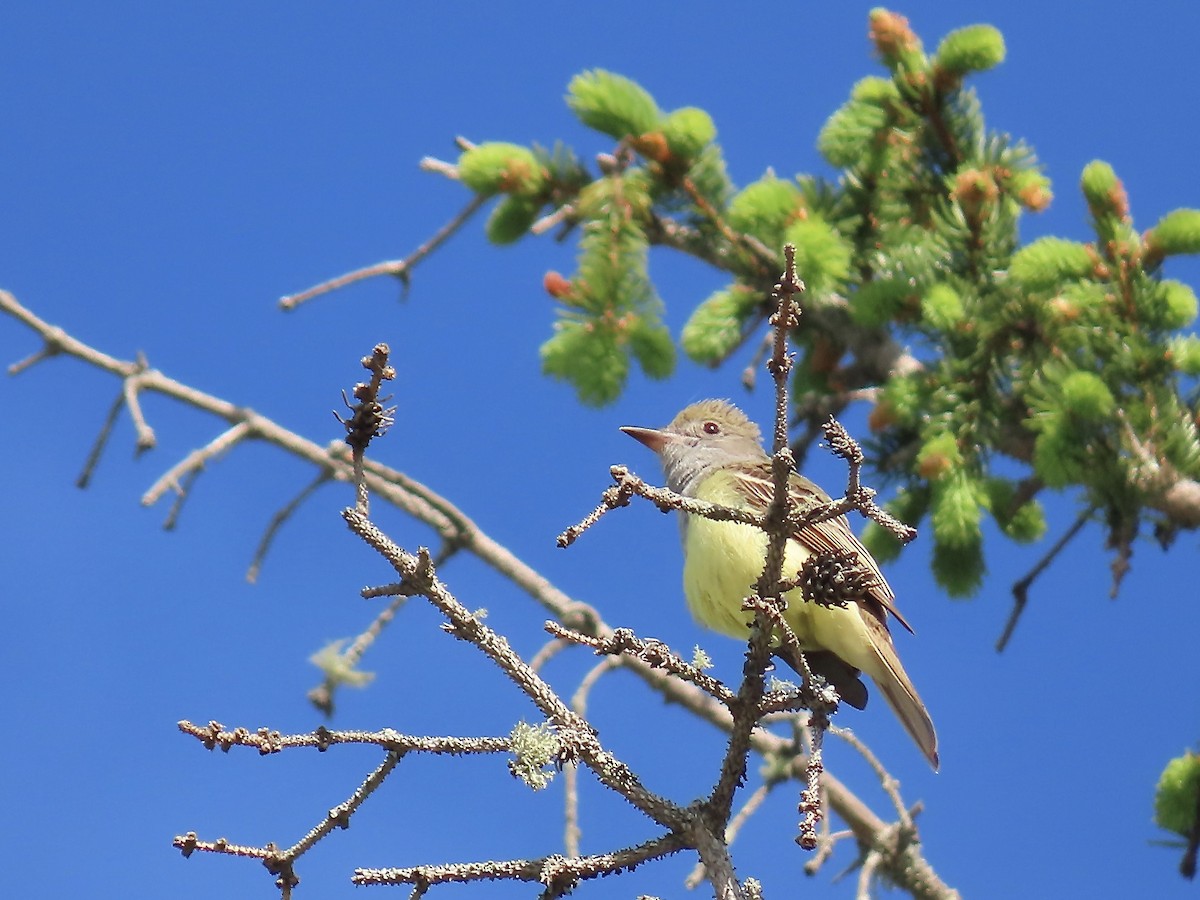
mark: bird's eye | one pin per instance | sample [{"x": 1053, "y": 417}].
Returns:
[{"x": 712, "y": 428}]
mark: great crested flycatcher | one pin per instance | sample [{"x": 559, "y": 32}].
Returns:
[{"x": 711, "y": 451}]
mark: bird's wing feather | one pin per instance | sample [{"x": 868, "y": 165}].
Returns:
[
  {"x": 898, "y": 690},
  {"x": 830, "y": 536},
  {"x": 835, "y": 536}
]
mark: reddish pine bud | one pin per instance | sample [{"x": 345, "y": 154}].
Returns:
[
  {"x": 1064, "y": 310},
  {"x": 891, "y": 34},
  {"x": 556, "y": 285},
  {"x": 975, "y": 190},
  {"x": 880, "y": 417},
  {"x": 652, "y": 145},
  {"x": 1035, "y": 199},
  {"x": 933, "y": 465}
]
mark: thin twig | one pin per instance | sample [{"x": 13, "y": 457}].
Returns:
[
  {"x": 215, "y": 736},
  {"x": 550, "y": 220},
  {"x": 653, "y": 653},
  {"x": 281, "y": 863},
  {"x": 572, "y": 831},
  {"x": 46, "y": 352},
  {"x": 812, "y": 806},
  {"x": 557, "y": 873},
  {"x": 579, "y": 700},
  {"x": 549, "y": 650},
  {"x": 628, "y": 484},
  {"x": 277, "y": 522},
  {"x": 339, "y": 816},
  {"x": 93, "y": 457},
  {"x": 368, "y": 419},
  {"x": 842, "y": 445},
  {"x": 866, "y": 874},
  {"x": 195, "y": 461},
  {"x": 399, "y": 268},
  {"x": 322, "y": 696},
  {"x": 763, "y": 257},
  {"x": 891, "y": 786},
  {"x": 1021, "y": 588},
  {"x": 750, "y": 373},
  {"x": 145, "y": 434},
  {"x": 612, "y": 498},
  {"x": 439, "y": 167},
  {"x": 181, "y": 497},
  {"x": 346, "y": 661},
  {"x": 826, "y": 844}
]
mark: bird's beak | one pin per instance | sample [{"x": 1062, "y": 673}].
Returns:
[{"x": 653, "y": 438}]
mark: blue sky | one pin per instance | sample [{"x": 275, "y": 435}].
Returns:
[{"x": 170, "y": 170}]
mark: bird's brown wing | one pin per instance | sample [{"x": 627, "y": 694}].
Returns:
[
  {"x": 830, "y": 536},
  {"x": 834, "y": 536}
]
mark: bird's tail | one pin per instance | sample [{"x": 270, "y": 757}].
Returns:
[{"x": 902, "y": 697}]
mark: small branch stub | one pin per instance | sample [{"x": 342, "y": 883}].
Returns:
[{"x": 369, "y": 419}]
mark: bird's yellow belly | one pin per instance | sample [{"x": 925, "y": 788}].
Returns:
[{"x": 723, "y": 562}]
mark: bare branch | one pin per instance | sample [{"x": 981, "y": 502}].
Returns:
[
  {"x": 767, "y": 589},
  {"x": 907, "y": 869},
  {"x": 339, "y": 816},
  {"x": 145, "y": 434},
  {"x": 277, "y": 522},
  {"x": 398, "y": 268},
  {"x": 749, "y": 807},
  {"x": 369, "y": 419},
  {"x": 93, "y": 458},
  {"x": 890, "y": 785},
  {"x": 214, "y": 735},
  {"x": 572, "y": 832},
  {"x": 195, "y": 461},
  {"x": 549, "y": 650},
  {"x": 612, "y": 498},
  {"x": 653, "y": 653},
  {"x": 418, "y": 571},
  {"x": 841, "y": 444},
  {"x": 1021, "y": 588},
  {"x": 281, "y": 863},
  {"x": 558, "y": 873},
  {"x": 185, "y": 491}
]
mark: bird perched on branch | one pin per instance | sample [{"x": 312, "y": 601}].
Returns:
[{"x": 839, "y": 609}]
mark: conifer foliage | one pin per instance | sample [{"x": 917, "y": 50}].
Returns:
[{"x": 1073, "y": 357}]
